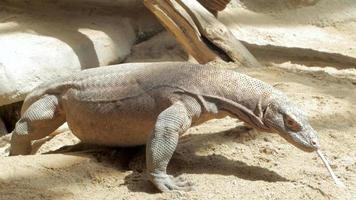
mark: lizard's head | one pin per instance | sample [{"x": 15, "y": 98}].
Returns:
[{"x": 289, "y": 121}]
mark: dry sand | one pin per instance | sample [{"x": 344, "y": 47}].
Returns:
[{"x": 222, "y": 158}]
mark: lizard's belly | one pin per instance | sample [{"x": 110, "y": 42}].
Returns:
[{"x": 127, "y": 123}]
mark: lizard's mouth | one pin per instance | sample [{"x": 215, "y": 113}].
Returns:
[
  {"x": 300, "y": 142},
  {"x": 305, "y": 140}
]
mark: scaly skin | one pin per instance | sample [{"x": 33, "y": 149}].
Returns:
[{"x": 153, "y": 104}]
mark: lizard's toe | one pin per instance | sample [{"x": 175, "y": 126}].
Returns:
[
  {"x": 181, "y": 182},
  {"x": 167, "y": 183}
]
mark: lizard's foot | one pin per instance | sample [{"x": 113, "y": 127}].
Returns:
[
  {"x": 167, "y": 183},
  {"x": 5, "y": 145}
]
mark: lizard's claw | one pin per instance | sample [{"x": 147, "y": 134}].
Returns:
[{"x": 166, "y": 183}]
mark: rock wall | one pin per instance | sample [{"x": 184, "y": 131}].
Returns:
[
  {"x": 310, "y": 32},
  {"x": 53, "y": 42}
]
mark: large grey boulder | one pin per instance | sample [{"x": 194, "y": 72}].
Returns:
[{"x": 39, "y": 47}]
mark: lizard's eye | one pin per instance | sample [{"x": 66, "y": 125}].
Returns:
[{"x": 291, "y": 123}]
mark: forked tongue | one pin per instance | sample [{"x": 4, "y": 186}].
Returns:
[{"x": 336, "y": 180}]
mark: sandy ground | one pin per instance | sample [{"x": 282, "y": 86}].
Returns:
[{"x": 221, "y": 157}]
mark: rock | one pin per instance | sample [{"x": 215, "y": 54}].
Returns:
[
  {"x": 76, "y": 3},
  {"x": 38, "y": 46},
  {"x": 296, "y": 29}
]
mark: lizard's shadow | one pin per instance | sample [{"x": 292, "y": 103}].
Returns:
[{"x": 186, "y": 161}]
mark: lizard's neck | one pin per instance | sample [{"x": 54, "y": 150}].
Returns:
[{"x": 244, "y": 112}]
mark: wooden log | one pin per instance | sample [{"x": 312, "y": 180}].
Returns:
[
  {"x": 215, "y": 5},
  {"x": 182, "y": 27},
  {"x": 218, "y": 34}
]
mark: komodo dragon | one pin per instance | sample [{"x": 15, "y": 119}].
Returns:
[{"x": 153, "y": 104}]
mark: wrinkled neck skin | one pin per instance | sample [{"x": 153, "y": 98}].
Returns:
[{"x": 252, "y": 114}]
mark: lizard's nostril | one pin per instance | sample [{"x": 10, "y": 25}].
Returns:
[{"x": 315, "y": 143}]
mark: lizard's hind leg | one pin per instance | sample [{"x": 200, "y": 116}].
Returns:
[{"x": 40, "y": 119}]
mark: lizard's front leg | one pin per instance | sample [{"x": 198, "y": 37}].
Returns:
[{"x": 161, "y": 145}]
